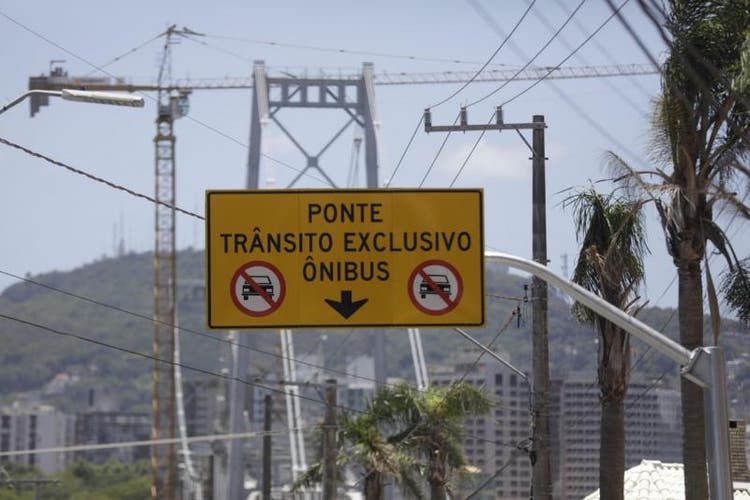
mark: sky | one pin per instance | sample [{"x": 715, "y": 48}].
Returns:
[{"x": 55, "y": 220}]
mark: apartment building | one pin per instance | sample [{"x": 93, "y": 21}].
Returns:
[{"x": 36, "y": 427}]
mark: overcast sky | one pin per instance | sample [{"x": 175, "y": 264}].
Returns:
[{"x": 55, "y": 220}]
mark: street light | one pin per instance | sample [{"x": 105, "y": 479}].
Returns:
[{"x": 112, "y": 98}]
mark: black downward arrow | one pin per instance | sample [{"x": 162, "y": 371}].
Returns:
[{"x": 345, "y": 307}]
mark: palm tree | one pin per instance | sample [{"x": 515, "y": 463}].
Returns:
[
  {"x": 700, "y": 142},
  {"x": 735, "y": 287},
  {"x": 610, "y": 264},
  {"x": 403, "y": 433},
  {"x": 432, "y": 427},
  {"x": 365, "y": 445}
]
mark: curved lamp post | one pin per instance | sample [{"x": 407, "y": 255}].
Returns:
[
  {"x": 113, "y": 98},
  {"x": 704, "y": 366}
]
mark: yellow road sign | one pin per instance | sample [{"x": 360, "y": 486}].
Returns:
[{"x": 327, "y": 258}]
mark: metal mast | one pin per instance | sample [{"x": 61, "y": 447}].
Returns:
[{"x": 163, "y": 457}]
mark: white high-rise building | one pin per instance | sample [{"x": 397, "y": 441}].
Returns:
[{"x": 36, "y": 427}]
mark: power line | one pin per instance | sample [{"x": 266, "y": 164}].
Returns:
[
  {"x": 489, "y": 346},
  {"x": 479, "y": 71},
  {"x": 481, "y": 135},
  {"x": 634, "y": 35},
  {"x": 568, "y": 46},
  {"x": 181, "y": 328},
  {"x": 342, "y": 50},
  {"x": 603, "y": 50},
  {"x": 201, "y": 334},
  {"x": 421, "y": 118},
  {"x": 594, "y": 33},
  {"x": 160, "y": 360},
  {"x": 145, "y": 442},
  {"x": 101, "y": 69},
  {"x": 437, "y": 155},
  {"x": 403, "y": 154},
  {"x": 562, "y": 95},
  {"x": 544, "y": 47},
  {"x": 124, "y": 54},
  {"x": 471, "y": 152},
  {"x": 99, "y": 179}
]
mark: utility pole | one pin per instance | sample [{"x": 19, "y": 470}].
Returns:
[
  {"x": 267, "y": 409},
  {"x": 329, "y": 443},
  {"x": 541, "y": 473},
  {"x": 540, "y": 451}
]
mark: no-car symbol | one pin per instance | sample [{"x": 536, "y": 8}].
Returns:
[
  {"x": 435, "y": 287},
  {"x": 257, "y": 288}
]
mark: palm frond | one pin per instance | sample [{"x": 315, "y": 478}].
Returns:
[{"x": 735, "y": 286}]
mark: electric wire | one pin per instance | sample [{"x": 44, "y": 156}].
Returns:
[
  {"x": 538, "y": 53},
  {"x": 560, "y": 93},
  {"x": 506, "y": 39},
  {"x": 152, "y": 98},
  {"x": 568, "y": 46},
  {"x": 147, "y": 442},
  {"x": 192, "y": 38},
  {"x": 194, "y": 332},
  {"x": 124, "y": 54},
  {"x": 514, "y": 456},
  {"x": 437, "y": 155},
  {"x": 603, "y": 50},
  {"x": 172, "y": 363},
  {"x": 133, "y": 352},
  {"x": 342, "y": 50},
  {"x": 101, "y": 180},
  {"x": 471, "y": 152},
  {"x": 403, "y": 154},
  {"x": 565, "y": 59},
  {"x": 479, "y": 71},
  {"x": 634, "y": 36},
  {"x": 512, "y": 78},
  {"x": 180, "y": 328},
  {"x": 503, "y": 328},
  {"x": 455, "y": 93}
]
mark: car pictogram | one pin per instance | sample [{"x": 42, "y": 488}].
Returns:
[
  {"x": 439, "y": 280},
  {"x": 262, "y": 282}
]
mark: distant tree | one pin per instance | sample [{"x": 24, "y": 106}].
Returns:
[
  {"x": 432, "y": 427},
  {"x": 610, "y": 264},
  {"x": 366, "y": 445},
  {"x": 407, "y": 435}
]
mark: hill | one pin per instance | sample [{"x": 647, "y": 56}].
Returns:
[{"x": 110, "y": 301}]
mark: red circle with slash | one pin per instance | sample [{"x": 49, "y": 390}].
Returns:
[
  {"x": 257, "y": 288},
  {"x": 435, "y": 287}
]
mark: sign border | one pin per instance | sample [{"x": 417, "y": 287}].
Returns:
[{"x": 209, "y": 192}]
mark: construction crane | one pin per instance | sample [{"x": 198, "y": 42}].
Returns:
[
  {"x": 172, "y": 98},
  {"x": 171, "y": 105},
  {"x": 58, "y": 79}
]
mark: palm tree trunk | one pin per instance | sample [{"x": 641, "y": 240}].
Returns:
[
  {"x": 613, "y": 370},
  {"x": 693, "y": 426},
  {"x": 612, "y": 450},
  {"x": 437, "y": 477},
  {"x": 373, "y": 486}
]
